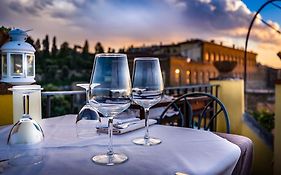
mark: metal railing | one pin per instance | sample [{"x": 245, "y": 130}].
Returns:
[
  {"x": 180, "y": 90},
  {"x": 49, "y": 96}
]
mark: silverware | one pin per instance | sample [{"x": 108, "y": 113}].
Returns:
[
  {"x": 127, "y": 121},
  {"x": 4, "y": 160},
  {"x": 124, "y": 125}
]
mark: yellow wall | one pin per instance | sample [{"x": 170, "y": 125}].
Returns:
[
  {"x": 231, "y": 93},
  {"x": 263, "y": 155},
  {"x": 6, "y": 109},
  {"x": 277, "y": 130}
]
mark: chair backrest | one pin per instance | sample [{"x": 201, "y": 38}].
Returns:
[{"x": 196, "y": 110}]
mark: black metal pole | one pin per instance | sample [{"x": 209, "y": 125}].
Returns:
[{"x": 246, "y": 44}]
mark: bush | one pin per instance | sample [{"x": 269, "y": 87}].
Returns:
[{"x": 265, "y": 119}]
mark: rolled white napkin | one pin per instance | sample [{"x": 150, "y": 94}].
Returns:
[{"x": 132, "y": 125}]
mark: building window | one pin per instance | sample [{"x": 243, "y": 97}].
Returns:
[
  {"x": 239, "y": 60},
  {"x": 212, "y": 75},
  {"x": 200, "y": 77},
  {"x": 222, "y": 57},
  {"x": 206, "y": 77},
  {"x": 207, "y": 57},
  {"x": 212, "y": 57},
  {"x": 217, "y": 57},
  {"x": 194, "y": 77},
  {"x": 187, "y": 79},
  {"x": 226, "y": 58},
  {"x": 178, "y": 76}
]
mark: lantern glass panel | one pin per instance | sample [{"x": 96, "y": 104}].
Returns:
[
  {"x": 16, "y": 64},
  {"x": 4, "y": 65},
  {"x": 30, "y": 65}
]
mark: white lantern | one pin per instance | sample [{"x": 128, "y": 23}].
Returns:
[{"x": 18, "y": 60}]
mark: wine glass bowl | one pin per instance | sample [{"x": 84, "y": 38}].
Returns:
[
  {"x": 147, "y": 90},
  {"x": 110, "y": 94},
  {"x": 25, "y": 131}
]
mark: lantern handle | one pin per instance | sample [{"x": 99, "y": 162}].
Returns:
[{"x": 28, "y": 30}]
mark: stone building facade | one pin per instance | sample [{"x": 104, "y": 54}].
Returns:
[{"x": 191, "y": 62}]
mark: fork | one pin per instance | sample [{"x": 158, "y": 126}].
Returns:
[{"x": 124, "y": 125}]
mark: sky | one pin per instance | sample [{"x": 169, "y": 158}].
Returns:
[{"x": 121, "y": 23}]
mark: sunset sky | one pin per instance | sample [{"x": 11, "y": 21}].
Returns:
[{"x": 121, "y": 23}]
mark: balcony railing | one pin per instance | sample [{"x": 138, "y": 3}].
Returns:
[{"x": 77, "y": 98}]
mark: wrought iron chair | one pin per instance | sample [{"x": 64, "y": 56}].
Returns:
[
  {"x": 195, "y": 110},
  {"x": 186, "y": 109}
]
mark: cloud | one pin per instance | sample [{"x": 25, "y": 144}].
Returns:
[{"x": 118, "y": 23}]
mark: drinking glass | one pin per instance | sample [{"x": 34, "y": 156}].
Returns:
[
  {"x": 110, "y": 94},
  {"x": 147, "y": 91},
  {"x": 26, "y": 135},
  {"x": 87, "y": 118}
]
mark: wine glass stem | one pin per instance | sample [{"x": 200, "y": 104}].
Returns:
[
  {"x": 146, "y": 115},
  {"x": 110, "y": 132}
]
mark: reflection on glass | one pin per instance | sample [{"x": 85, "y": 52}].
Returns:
[
  {"x": 30, "y": 65},
  {"x": 4, "y": 62},
  {"x": 16, "y": 64}
]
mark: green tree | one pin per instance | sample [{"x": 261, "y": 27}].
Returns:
[
  {"x": 64, "y": 49},
  {"x": 99, "y": 48},
  {"x": 54, "y": 47},
  {"x": 86, "y": 48},
  {"x": 85, "y": 51},
  {"x": 121, "y": 50},
  {"x": 30, "y": 41},
  {"x": 37, "y": 45},
  {"x": 4, "y": 36},
  {"x": 110, "y": 50},
  {"x": 46, "y": 45}
]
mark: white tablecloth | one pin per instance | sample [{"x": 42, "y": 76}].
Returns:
[{"x": 182, "y": 150}]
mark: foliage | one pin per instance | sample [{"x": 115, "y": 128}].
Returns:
[
  {"x": 62, "y": 66},
  {"x": 58, "y": 69},
  {"x": 99, "y": 48},
  {"x": 4, "y": 37},
  {"x": 265, "y": 119},
  {"x": 54, "y": 47},
  {"x": 5, "y": 29}
]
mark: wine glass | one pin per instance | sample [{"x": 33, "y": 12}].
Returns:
[
  {"x": 110, "y": 94},
  {"x": 147, "y": 91},
  {"x": 26, "y": 135},
  {"x": 87, "y": 118}
]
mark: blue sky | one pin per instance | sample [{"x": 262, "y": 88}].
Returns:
[
  {"x": 270, "y": 12},
  {"x": 121, "y": 23}
]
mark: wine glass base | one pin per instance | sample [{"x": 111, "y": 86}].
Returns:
[
  {"x": 105, "y": 159},
  {"x": 25, "y": 160},
  {"x": 147, "y": 142}
]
